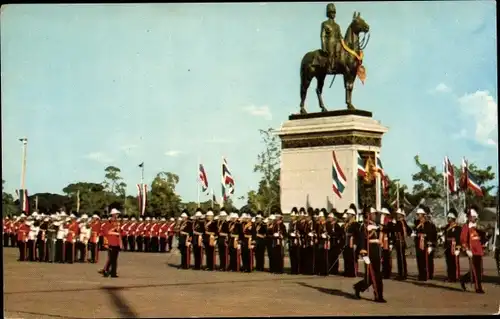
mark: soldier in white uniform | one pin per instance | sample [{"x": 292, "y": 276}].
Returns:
[
  {"x": 60, "y": 237},
  {"x": 83, "y": 238},
  {"x": 34, "y": 229}
]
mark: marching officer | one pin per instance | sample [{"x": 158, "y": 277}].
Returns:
[
  {"x": 247, "y": 242},
  {"x": 234, "y": 242},
  {"x": 369, "y": 243},
  {"x": 294, "y": 242},
  {"x": 351, "y": 230},
  {"x": 113, "y": 238},
  {"x": 198, "y": 231},
  {"x": 401, "y": 232},
  {"x": 223, "y": 240},
  {"x": 472, "y": 239},
  {"x": 185, "y": 233},
  {"x": 210, "y": 239},
  {"x": 452, "y": 246}
]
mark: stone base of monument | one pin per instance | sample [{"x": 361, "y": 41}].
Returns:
[{"x": 307, "y": 142}]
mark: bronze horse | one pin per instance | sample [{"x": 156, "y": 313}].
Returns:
[{"x": 314, "y": 65}]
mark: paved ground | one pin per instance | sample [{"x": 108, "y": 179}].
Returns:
[{"x": 149, "y": 286}]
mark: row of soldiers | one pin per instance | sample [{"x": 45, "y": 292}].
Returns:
[
  {"x": 40, "y": 230},
  {"x": 316, "y": 240}
]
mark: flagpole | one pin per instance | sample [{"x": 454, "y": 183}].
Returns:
[
  {"x": 142, "y": 174},
  {"x": 198, "y": 182},
  {"x": 446, "y": 187},
  {"x": 36, "y": 202},
  {"x": 397, "y": 195},
  {"x": 378, "y": 191}
]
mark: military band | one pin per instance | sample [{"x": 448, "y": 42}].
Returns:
[{"x": 315, "y": 241}]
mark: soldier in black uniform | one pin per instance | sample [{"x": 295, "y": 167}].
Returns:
[
  {"x": 335, "y": 233},
  {"x": 247, "y": 242},
  {"x": 401, "y": 232},
  {"x": 41, "y": 241},
  {"x": 234, "y": 242},
  {"x": 387, "y": 243},
  {"x": 279, "y": 237},
  {"x": 323, "y": 245},
  {"x": 421, "y": 233},
  {"x": 369, "y": 244},
  {"x": 185, "y": 233},
  {"x": 308, "y": 237},
  {"x": 223, "y": 240},
  {"x": 210, "y": 239},
  {"x": 451, "y": 233},
  {"x": 294, "y": 242},
  {"x": 198, "y": 232},
  {"x": 351, "y": 230},
  {"x": 432, "y": 238},
  {"x": 269, "y": 241},
  {"x": 260, "y": 242}
]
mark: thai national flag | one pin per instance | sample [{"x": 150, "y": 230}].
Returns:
[
  {"x": 468, "y": 181},
  {"x": 361, "y": 166},
  {"x": 203, "y": 179},
  {"x": 23, "y": 201},
  {"x": 338, "y": 178},
  {"x": 139, "y": 197},
  {"x": 450, "y": 175},
  {"x": 383, "y": 178},
  {"x": 144, "y": 198},
  {"x": 227, "y": 181}
]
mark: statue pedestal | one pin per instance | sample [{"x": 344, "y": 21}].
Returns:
[{"x": 307, "y": 142}]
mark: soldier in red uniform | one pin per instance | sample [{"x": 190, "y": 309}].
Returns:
[
  {"x": 6, "y": 231},
  {"x": 73, "y": 232},
  {"x": 147, "y": 235},
  {"x": 13, "y": 232},
  {"x": 131, "y": 234},
  {"x": 155, "y": 236},
  {"x": 472, "y": 239},
  {"x": 125, "y": 226},
  {"x": 22, "y": 237},
  {"x": 113, "y": 238},
  {"x": 95, "y": 229},
  {"x": 139, "y": 235},
  {"x": 170, "y": 234},
  {"x": 101, "y": 235},
  {"x": 163, "y": 231}
]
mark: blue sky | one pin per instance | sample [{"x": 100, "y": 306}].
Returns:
[{"x": 98, "y": 85}]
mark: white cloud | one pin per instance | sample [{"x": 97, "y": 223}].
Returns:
[
  {"x": 481, "y": 108},
  {"x": 218, "y": 140},
  {"x": 99, "y": 157},
  {"x": 491, "y": 142},
  {"x": 261, "y": 111},
  {"x": 128, "y": 147},
  {"x": 441, "y": 88},
  {"x": 172, "y": 153}
]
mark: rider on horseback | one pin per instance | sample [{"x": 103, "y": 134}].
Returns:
[{"x": 331, "y": 37}]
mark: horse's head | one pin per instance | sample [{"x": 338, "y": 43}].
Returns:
[{"x": 359, "y": 25}]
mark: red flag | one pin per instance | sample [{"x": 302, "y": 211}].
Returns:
[
  {"x": 139, "y": 197},
  {"x": 144, "y": 198}
]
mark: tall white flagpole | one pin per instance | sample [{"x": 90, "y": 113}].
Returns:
[
  {"x": 378, "y": 191},
  {"x": 397, "y": 195},
  {"x": 446, "y": 187}
]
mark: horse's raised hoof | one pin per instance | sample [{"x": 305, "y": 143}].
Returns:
[{"x": 303, "y": 110}]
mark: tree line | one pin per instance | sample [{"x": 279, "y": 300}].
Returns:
[{"x": 162, "y": 199}]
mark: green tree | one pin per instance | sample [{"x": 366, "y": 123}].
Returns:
[
  {"x": 268, "y": 165},
  {"x": 113, "y": 182},
  {"x": 92, "y": 196},
  {"x": 430, "y": 185},
  {"x": 8, "y": 206},
  {"x": 163, "y": 200}
]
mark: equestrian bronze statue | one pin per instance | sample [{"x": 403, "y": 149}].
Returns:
[{"x": 337, "y": 56}]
